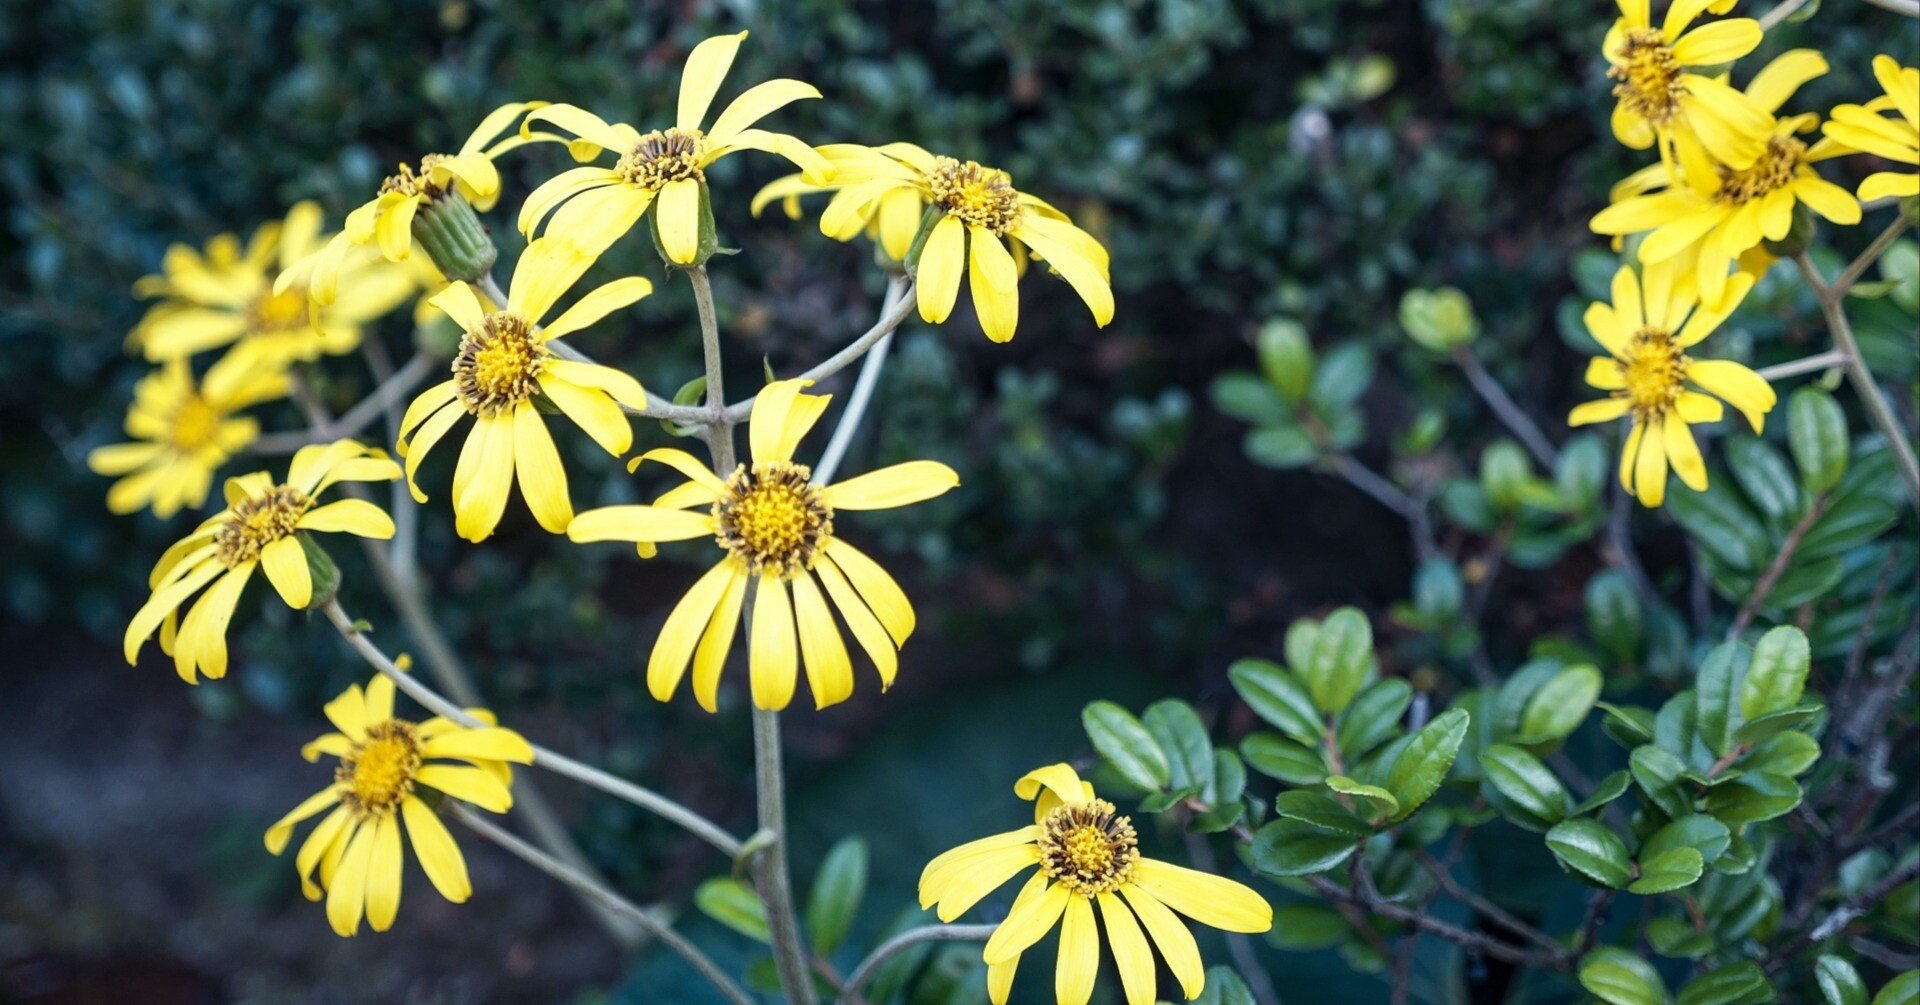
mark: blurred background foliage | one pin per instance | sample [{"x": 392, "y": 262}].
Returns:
[{"x": 1301, "y": 162}]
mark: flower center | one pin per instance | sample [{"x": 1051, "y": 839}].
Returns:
[
  {"x": 194, "y": 424},
  {"x": 662, "y": 157},
  {"x": 979, "y": 196},
  {"x": 377, "y": 772},
  {"x": 1655, "y": 372},
  {"x": 1087, "y": 848},
  {"x": 1774, "y": 170},
  {"x": 772, "y": 518},
  {"x": 258, "y": 521},
  {"x": 408, "y": 182},
  {"x": 498, "y": 364},
  {"x": 272, "y": 312},
  {"x": 1648, "y": 75}
]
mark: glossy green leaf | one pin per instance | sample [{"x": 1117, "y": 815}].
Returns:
[
  {"x": 1281, "y": 447},
  {"x": 1372, "y": 801},
  {"x": 1373, "y": 717},
  {"x": 1277, "y": 696},
  {"x": 1321, "y": 810},
  {"x": 1774, "y": 723},
  {"x": 1525, "y": 782},
  {"x": 1629, "y": 727},
  {"x": 1668, "y": 871},
  {"x": 1224, "y": 987},
  {"x": 1276, "y": 756},
  {"x": 1698, "y": 831},
  {"x": 1716, "y": 695},
  {"x": 1560, "y": 706},
  {"x": 1658, "y": 772},
  {"x": 835, "y": 897},
  {"x": 1422, "y": 764},
  {"x": 1839, "y": 982},
  {"x": 1305, "y": 927},
  {"x": 1610, "y": 788},
  {"x": 1618, "y": 977},
  {"x": 1788, "y": 753},
  {"x": 1176, "y": 727},
  {"x": 1126, "y": 745},
  {"x": 1753, "y": 797},
  {"x": 1592, "y": 850},
  {"x": 1286, "y": 357},
  {"x": 1732, "y": 984},
  {"x": 1292, "y": 848},
  {"x": 1341, "y": 377},
  {"x": 1764, "y": 476},
  {"x": 1777, "y": 673},
  {"x": 1341, "y": 660},
  {"x": 1817, "y": 437},
  {"x": 733, "y": 904},
  {"x": 1902, "y": 990},
  {"x": 1613, "y": 615}
]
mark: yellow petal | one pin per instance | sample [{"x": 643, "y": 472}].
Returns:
[
  {"x": 598, "y": 304},
  {"x": 823, "y": 653},
  {"x": 346, "y": 891},
  {"x": 936, "y": 872},
  {"x": 488, "y": 744},
  {"x": 755, "y": 103},
  {"x": 866, "y": 628},
  {"x": 592, "y": 410},
  {"x": 1684, "y": 454},
  {"x": 1171, "y": 936},
  {"x": 767, "y": 426},
  {"x": 878, "y": 589},
  {"x": 458, "y": 302},
  {"x": 282, "y": 828},
  {"x": 1719, "y": 42},
  {"x": 383, "y": 874},
  {"x": 772, "y": 657},
  {"x": 430, "y": 433},
  {"x": 706, "y": 67},
  {"x": 478, "y": 505},
  {"x": 286, "y": 565},
  {"x": 1131, "y": 954},
  {"x": 963, "y": 882},
  {"x": 1204, "y": 897},
  {"x": 164, "y": 603},
  {"x": 717, "y": 641},
  {"x": 474, "y": 785},
  {"x": 349, "y": 516},
  {"x": 1034, "y": 911},
  {"x": 995, "y": 284},
  {"x": 937, "y": 277},
  {"x": 678, "y": 214},
  {"x": 1739, "y": 386},
  {"x": 898, "y": 485},
  {"x": 439, "y": 856},
  {"x": 683, "y": 630},
  {"x": 1085, "y": 275},
  {"x": 638, "y": 523},
  {"x": 324, "y": 837},
  {"x": 537, "y": 467},
  {"x": 1650, "y": 467},
  {"x": 1606, "y": 374},
  {"x": 202, "y": 643},
  {"x": 1060, "y": 779},
  {"x": 1604, "y": 410},
  {"x": 1079, "y": 958}
]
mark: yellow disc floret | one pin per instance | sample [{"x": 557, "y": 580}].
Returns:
[
  {"x": 1087, "y": 848},
  {"x": 1648, "y": 76},
  {"x": 772, "y": 518},
  {"x": 663, "y": 157},
  {"x": 258, "y": 521},
  {"x": 416, "y": 183},
  {"x": 377, "y": 772},
  {"x": 978, "y": 196},
  {"x": 1655, "y": 372},
  {"x": 498, "y": 364},
  {"x": 1775, "y": 170}
]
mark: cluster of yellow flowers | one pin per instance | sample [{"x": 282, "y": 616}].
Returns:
[
  {"x": 1733, "y": 176},
  {"x": 295, "y": 294}
]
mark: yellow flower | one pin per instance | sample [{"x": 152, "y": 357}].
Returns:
[
  {"x": 184, "y": 432},
  {"x": 776, "y": 530},
  {"x": 503, "y": 362},
  {"x": 1087, "y": 854},
  {"x": 258, "y": 528},
  {"x": 1660, "y": 99},
  {"x": 386, "y": 220},
  {"x": 383, "y": 762},
  {"x": 979, "y": 209},
  {"x": 1651, "y": 378},
  {"x": 1708, "y": 215},
  {"x": 668, "y": 167},
  {"x": 891, "y": 221},
  {"x": 1863, "y": 128},
  {"x": 228, "y": 296}
]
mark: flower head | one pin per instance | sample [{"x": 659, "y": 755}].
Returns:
[
  {"x": 1708, "y": 214},
  {"x": 386, "y": 222},
  {"x": 891, "y": 221},
  {"x": 775, "y": 530},
  {"x": 1087, "y": 854},
  {"x": 504, "y": 366},
  {"x": 592, "y": 207},
  {"x": 261, "y": 526},
  {"x": 1896, "y": 138},
  {"x": 385, "y": 766},
  {"x": 228, "y": 295},
  {"x": 1651, "y": 379},
  {"x": 1661, "y": 96},
  {"x": 183, "y": 431}
]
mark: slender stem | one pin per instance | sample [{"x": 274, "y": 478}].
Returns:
[
  {"x": 1858, "y": 373},
  {"x": 1505, "y": 952},
  {"x": 493, "y": 291},
  {"x": 361, "y": 415},
  {"x": 606, "y": 898},
  {"x": 1503, "y": 406},
  {"x": 771, "y": 865},
  {"x": 1808, "y": 364},
  {"x": 907, "y": 940},
  {"x": 1775, "y": 569},
  {"x": 709, "y": 341},
  {"x": 1780, "y": 13},
  {"x": 1858, "y": 267},
  {"x": 863, "y": 386},
  {"x": 845, "y": 357},
  {"x": 1486, "y": 908},
  {"x": 1910, "y": 8},
  {"x": 553, "y": 761}
]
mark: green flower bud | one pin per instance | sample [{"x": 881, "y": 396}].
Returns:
[
  {"x": 320, "y": 568},
  {"x": 454, "y": 237},
  {"x": 1797, "y": 239}
]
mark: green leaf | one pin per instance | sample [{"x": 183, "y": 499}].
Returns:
[
  {"x": 1229, "y": 785},
  {"x": 1628, "y": 726},
  {"x": 1788, "y": 753},
  {"x": 1281, "y": 447},
  {"x": 1373, "y": 717},
  {"x": 1422, "y": 764},
  {"x": 1902, "y": 990},
  {"x": 1126, "y": 744},
  {"x": 1752, "y": 797},
  {"x": 1321, "y": 810},
  {"x": 732, "y": 904},
  {"x": 1278, "y": 757},
  {"x": 1817, "y": 437},
  {"x": 1733, "y": 983},
  {"x": 1224, "y": 987},
  {"x": 1246, "y": 397},
  {"x": 1658, "y": 772},
  {"x": 1292, "y": 848},
  {"x": 1764, "y": 476},
  {"x": 1618, "y": 977},
  {"x": 1276, "y": 696},
  {"x": 1527, "y": 784},
  {"x": 1716, "y": 693},
  {"x": 1668, "y": 871},
  {"x": 1558, "y": 708},
  {"x": 1286, "y": 357},
  {"x": 1673, "y": 937},
  {"x": 1723, "y": 525},
  {"x": 1378, "y": 804},
  {"x": 1343, "y": 375},
  {"x": 1438, "y": 319},
  {"x": 1776, "y": 722},
  {"x": 1504, "y": 471},
  {"x": 835, "y": 898},
  {"x": 1777, "y": 674},
  {"x": 1177, "y": 729},
  {"x": 1698, "y": 831},
  {"x": 1610, "y": 788},
  {"x": 1341, "y": 660},
  {"x": 1613, "y": 615},
  {"x": 1591, "y": 849},
  {"x": 1839, "y": 982},
  {"x": 1304, "y": 928}
]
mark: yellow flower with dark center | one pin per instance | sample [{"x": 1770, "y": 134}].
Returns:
[
  {"x": 228, "y": 296},
  {"x": 505, "y": 365},
  {"x": 890, "y": 221},
  {"x": 385, "y": 222},
  {"x": 1708, "y": 215},
  {"x": 775, "y": 529},
  {"x": 1087, "y": 855},
  {"x": 183, "y": 432},
  {"x": 592, "y": 207},
  {"x": 983, "y": 225},
  {"x": 386, "y": 765},
  {"x": 1651, "y": 379},
  {"x": 259, "y": 528},
  {"x": 1661, "y": 95},
  {"x": 1866, "y": 129}
]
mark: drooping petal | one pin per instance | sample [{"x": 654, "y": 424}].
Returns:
[
  {"x": 937, "y": 277},
  {"x": 1204, "y": 897},
  {"x": 964, "y": 882},
  {"x": 773, "y": 657},
  {"x": 683, "y": 630},
  {"x": 1060, "y": 779},
  {"x": 867, "y": 630},
  {"x": 383, "y": 873},
  {"x": 477, "y": 507},
  {"x": 1087, "y": 277},
  {"x": 592, "y": 410},
  {"x": 474, "y": 785},
  {"x": 1604, "y": 410},
  {"x": 1739, "y": 386},
  {"x": 282, "y": 828},
  {"x": 1170, "y": 934},
  {"x": 995, "y": 284},
  {"x": 202, "y": 643},
  {"x": 537, "y": 467},
  {"x": 347, "y": 889},
  {"x": 439, "y": 856},
  {"x": 1684, "y": 454},
  {"x": 823, "y": 653},
  {"x": 286, "y": 565},
  {"x": 1131, "y": 954},
  {"x": 677, "y": 211},
  {"x": 1650, "y": 468},
  {"x": 638, "y": 523},
  {"x": 882, "y": 594},
  {"x": 717, "y": 641},
  {"x": 1034, "y": 912},
  {"x": 935, "y": 874}
]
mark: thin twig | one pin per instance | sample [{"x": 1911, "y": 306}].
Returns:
[
  {"x": 1863, "y": 261},
  {"x": 1806, "y": 364},
  {"x": 1503, "y": 406},
  {"x": 357, "y": 418},
  {"x": 1857, "y": 372},
  {"x": 1780, "y": 13},
  {"x": 1486, "y": 908},
  {"x": 606, "y": 898},
  {"x": 1840, "y": 917},
  {"x": 1910, "y": 8},
  {"x": 1775, "y": 569},
  {"x": 856, "y": 407},
  {"x": 907, "y": 940},
  {"x": 1475, "y": 941}
]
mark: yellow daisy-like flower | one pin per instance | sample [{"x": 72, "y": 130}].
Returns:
[
  {"x": 1651, "y": 378},
  {"x": 384, "y": 764},
  {"x": 1661, "y": 97},
  {"x": 1087, "y": 855},
  {"x": 776, "y": 530},
  {"x": 593, "y": 206},
  {"x": 504, "y": 362},
  {"x": 386, "y": 221},
  {"x": 980, "y": 215},
  {"x": 228, "y": 296},
  {"x": 890, "y": 221},
  {"x": 1864, "y": 128},
  {"x": 1715, "y": 213},
  {"x": 183, "y": 432},
  {"x": 259, "y": 527}
]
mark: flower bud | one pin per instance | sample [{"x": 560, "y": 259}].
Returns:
[
  {"x": 320, "y": 569},
  {"x": 454, "y": 237},
  {"x": 1797, "y": 239}
]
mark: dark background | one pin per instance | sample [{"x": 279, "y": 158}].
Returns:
[{"x": 1241, "y": 160}]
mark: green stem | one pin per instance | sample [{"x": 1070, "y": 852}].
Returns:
[{"x": 1857, "y": 372}]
